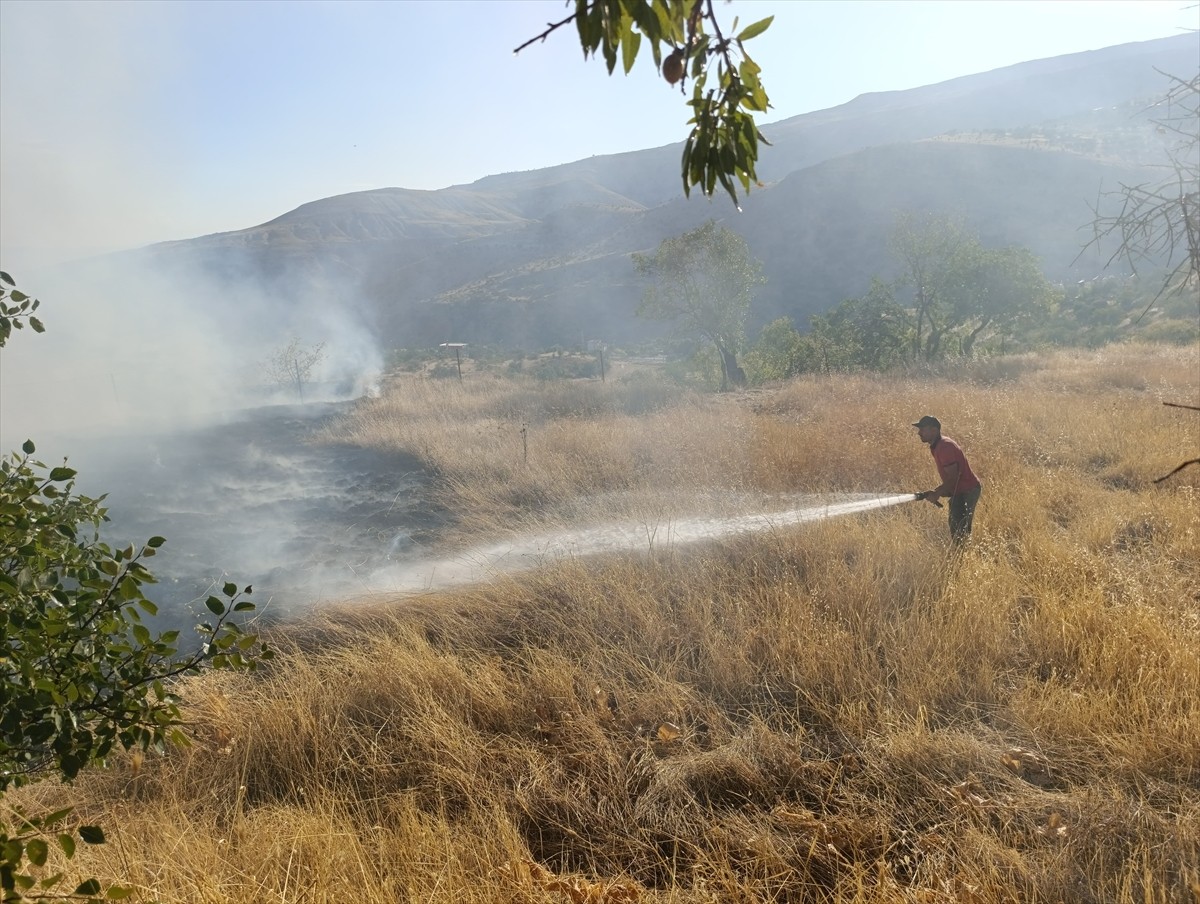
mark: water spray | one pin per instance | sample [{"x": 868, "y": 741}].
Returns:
[{"x": 483, "y": 563}]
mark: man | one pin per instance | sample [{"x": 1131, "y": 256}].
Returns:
[{"x": 958, "y": 480}]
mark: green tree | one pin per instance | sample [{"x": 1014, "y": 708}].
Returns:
[
  {"x": 781, "y": 351},
  {"x": 1002, "y": 293},
  {"x": 871, "y": 332},
  {"x": 722, "y": 145},
  {"x": 80, "y": 670},
  {"x": 962, "y": 291},
  {"x": 703, "y": 282},
  {"x": 293, "y": 364},
  {"x": 929, "y": 246}
]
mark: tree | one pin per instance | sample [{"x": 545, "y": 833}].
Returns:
[
  {"x": 292, "y": 365},
  {"x": 928, "y": 245},
  {"x": 1000, "y": 290},
  {"x": 1158, "y": 221},
  {"x": 961, "y": 290},
  {"x": 80, "y": 671},
  {"x": 780, "y": 352},
  {"x": 722, "y": 144},
  {"x": 870, "y": 332},
  {"x": 703, "y": 281}
]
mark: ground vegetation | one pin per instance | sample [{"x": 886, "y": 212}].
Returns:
[
  {"x": 844, "y": 711},
  {"x": 83, "y": 673}
]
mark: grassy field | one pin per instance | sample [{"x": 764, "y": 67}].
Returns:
[{"x": 845, "y": 711}]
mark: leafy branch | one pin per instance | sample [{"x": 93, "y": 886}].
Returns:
[
  {"x": 722, "y": 145},
  {"x": 16, "y": 308}
]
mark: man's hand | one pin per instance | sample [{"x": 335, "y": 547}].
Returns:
[{"x": 931, "y": 496}]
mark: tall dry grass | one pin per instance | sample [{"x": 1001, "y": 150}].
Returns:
[{"x": 844, "y": 711}]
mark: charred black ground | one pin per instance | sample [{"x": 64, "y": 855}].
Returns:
[{"x": 255, "y": 501}]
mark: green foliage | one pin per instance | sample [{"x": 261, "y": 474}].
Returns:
[
  {"x": 872, "y": 332},
  {"x": 81, "y": 671},
  {"x": 780, "y": 352},
  {"x": 16, "y": 309},
  {"x": 25, "y": 850},
  {"x": 703, "y": 282},
  {"x": 565, "y": 367},
  {"x": 1096, "y": 312},
  {"x": 961, "y": 291},
  {"x": 964, "y": 299},
  {"x": 722, "y": 145}
]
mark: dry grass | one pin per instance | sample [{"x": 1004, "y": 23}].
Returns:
[{"x": 839, "y": 712}]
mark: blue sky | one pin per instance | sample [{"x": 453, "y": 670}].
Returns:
[{"x": 125, "y": 123}]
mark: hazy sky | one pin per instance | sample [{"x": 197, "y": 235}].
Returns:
[{"x": 125, "y": 123}]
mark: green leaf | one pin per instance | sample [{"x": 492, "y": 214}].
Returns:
[
  {"x": 12, "y": 851},
  {"x": 67, "y": 844},
  {"x": 27, "y": 447},
  {"x": 230, "y": 589},
  {"x": 52, "y": 819},
  {"x": 155, "y": 542},
  {"x": 630, "y": 44},
  {"x": 37, "y": 850},
  {"x": 92, "y": 834},
  {"x": 215, "y": 606},
  {"x": 88, "y": 887},
  {"x": 4, "y": 277},
  {"x": 117, "y": 892},
  {"x": 753, "y": 31}
]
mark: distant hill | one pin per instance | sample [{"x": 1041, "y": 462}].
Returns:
[{"x": 542, "y": 257}]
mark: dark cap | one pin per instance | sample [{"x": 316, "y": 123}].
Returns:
[{"x": 928, "y": 421}]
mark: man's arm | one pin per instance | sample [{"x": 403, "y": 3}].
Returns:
[{"x": 949, "y": 482}]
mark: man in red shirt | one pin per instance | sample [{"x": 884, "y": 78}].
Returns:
[{"x": 958, "y": 480}]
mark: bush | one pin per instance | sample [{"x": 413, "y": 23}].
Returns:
[{"x": 80, "y": 672}]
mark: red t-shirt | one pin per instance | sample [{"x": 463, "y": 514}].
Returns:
[{"x": 946, "y": 451}]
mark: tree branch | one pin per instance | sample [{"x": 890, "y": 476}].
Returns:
[
  {"x": 1194, "y": 461},
  {"x": 551, "y": 27}
]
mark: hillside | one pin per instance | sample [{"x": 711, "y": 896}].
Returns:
[{"x": 542, "y": 257}]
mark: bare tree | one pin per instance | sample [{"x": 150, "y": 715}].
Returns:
[
  {"x": 293, "y": 365},
  {"x": 1158, "y": 221}
]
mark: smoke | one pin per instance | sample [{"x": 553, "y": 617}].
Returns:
[{"x": 133, "y": 347}]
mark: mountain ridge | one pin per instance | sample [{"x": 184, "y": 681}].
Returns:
[{"x": 541, "y": 256}]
